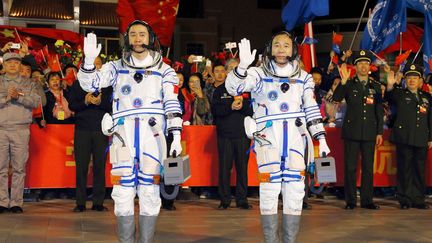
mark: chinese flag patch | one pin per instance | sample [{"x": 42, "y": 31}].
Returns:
[{"x": 176, "y": 89}]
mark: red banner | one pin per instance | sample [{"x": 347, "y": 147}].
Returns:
[{"x": 51, "y": 163}]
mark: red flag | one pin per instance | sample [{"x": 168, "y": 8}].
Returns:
[
  {"x": 70, "y": 78},
  {"x": 337, "y": 39},
  {"x": 160, "y": 15},
  {"x": 37, "y": 37},
  {"x": 335, "y": 59},
  {"x": 430, "y": 64},
  {"x": 307, "y": 52},
  {"x": 402, "y": 57},
  {"x": 411, "y": 40}
]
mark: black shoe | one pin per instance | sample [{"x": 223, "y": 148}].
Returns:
[
  {"x": 169, "y": 207},
  {"x": 421, "y": 206},
  {"x": 99, "y": 208},
  {"x": 16, "y": 209},
  {"x": 4, "y": 209},
  {"x": 371, "y": 206},
  {"x": 223, "y": 206},
  {"x": 350, "y": 206},
  {"x": 79, "y": 209},
  {"x": 306, "y": 206},
  {"x": 244, "y": 206},
  {"x": 404, "y": 206}
]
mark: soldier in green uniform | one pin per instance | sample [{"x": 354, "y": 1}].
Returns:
[
  {"x": 412, "y": 134},
  {"x": 362, "y": 128}
]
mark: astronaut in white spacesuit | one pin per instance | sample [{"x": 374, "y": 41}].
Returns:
[
  {"x": 144, "y": 100},
  {"x": 284, "y": 106}
]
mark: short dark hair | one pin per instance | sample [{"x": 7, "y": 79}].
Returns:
[
  {"x": 25, "y": 63},
  {"x": 52, "y": 74},
  {"x": 217, "y": 64},
  {"x": 69, "y": 65}
]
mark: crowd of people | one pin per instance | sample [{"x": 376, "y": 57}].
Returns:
[{"x": 281, "y": 97}]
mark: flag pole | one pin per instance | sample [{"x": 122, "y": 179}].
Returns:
[
  {"x": 168, "y": 51},
  {"x": 379, "y": 58},
  {"x": 400, "y": 43},
  {"x": 415, "y": 57},
  {"x": 312, "y": 46},
  {"x": 358, "y": 25},
  {"x": 19, "y": 38}
]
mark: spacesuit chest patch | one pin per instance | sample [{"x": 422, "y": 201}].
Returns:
[
  {"x": 272, "y": 95},
  {"x": 126, "y": 89},
  {"x": 137, "y": 103},
  {"x": 284, "y": 107}
]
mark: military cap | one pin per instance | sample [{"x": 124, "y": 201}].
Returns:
[
  {"x": 413, "y": 70},
  {"x": 11, "y": 55},
  {"x": 362, "y": 55}
]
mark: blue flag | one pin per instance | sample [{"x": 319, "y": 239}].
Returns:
[
  {"x": 387, "y": 20},
  {"x": 425, "y": 6},
  {"x": 298, "y": 12},
  {"x": 310, "y": 41}
]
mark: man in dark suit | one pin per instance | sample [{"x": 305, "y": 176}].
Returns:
[
  {"x": 362, "y": 128},
  {"x": 412, "y": 134}
]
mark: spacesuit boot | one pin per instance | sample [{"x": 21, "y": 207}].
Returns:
[
  {"x": 270, "y": 228},
  {"x": 126, "y": 228},
  {"x": 290, "y": 228},
  {"x": 147, "y": 226}
]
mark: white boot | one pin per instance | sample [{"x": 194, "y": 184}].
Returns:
[
  {"x": 270, "y": 228},
  {"x": 126, "y": 228},
  {"x": 290, "y": 227},
  {"x": 147, "y": 226}
]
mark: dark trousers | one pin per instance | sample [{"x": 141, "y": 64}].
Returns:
[
  {"x": 230, "y": 149},
  {"x": 411, "y": 174},
  {"x": 88, "y": 143},
  {"x": 351, "y": 151}
]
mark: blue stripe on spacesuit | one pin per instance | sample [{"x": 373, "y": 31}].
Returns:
[
  {"x": 123, "y": 71},
  {"x": 285, "y": 141},
  {"x": 317, "y": 116},
  {"x": 120, "y": 167},
  {"x": 152, "y": 157},
  {"x": 272, "y": 163},
  {"x": 137, "y": 140},
  {"x": 273, "y": 117},
  {"x": 299, "y": 177},
  {"x": 165, "y": 74},
  {"x": 146, "y": 179},
  {"x": 312, "y": 88},
  {"x": 169, "y": 82},
  {"x": 313, "y": 107},
  {"x": 295, "y": 151}
]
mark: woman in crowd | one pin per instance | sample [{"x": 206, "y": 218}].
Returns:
[
  {"x": 194, "y": 102},
  {"x": 57, "y": 110}
]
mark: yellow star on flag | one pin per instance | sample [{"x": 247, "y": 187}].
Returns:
[
  {"x": 176, "y": 9},
  {"x": 8, "y": 33}
]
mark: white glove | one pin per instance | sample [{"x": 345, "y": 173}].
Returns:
[
  {"x": 246, "y": 56},
  {"x": 107, "y": 125},
  {"x": 323, "y": 148},
  {"x": 176, "y": 144},
  {"x": 91, "y": 50}
]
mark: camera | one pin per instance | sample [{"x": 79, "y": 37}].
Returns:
[
  {"x": 198, "y": 59},
  {"x": 15, "y": 46}
]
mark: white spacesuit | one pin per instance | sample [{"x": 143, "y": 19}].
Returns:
[
  {"x": 282, "y": 94},
  {"x": 144, "y": 88}
]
